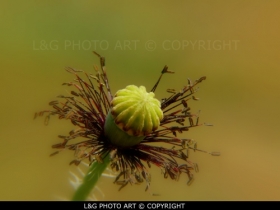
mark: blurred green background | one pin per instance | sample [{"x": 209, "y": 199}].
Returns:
[{"x": 234, "y": 43}]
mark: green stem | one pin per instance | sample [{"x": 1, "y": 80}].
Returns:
[{"x": 90, "y": 180}]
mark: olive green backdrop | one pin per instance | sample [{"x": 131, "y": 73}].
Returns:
[{"x": 234, "y": 43}]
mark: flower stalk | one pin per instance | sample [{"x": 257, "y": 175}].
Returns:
[{"x": 91, "y": 178}]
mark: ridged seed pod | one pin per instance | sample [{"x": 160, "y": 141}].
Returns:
[{"x": 136, "y": 113}]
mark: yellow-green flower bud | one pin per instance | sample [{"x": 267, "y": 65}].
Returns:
[{"x": 135, "y": 113}]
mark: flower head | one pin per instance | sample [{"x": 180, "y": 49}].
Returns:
[{"x": 126, "y": 127}]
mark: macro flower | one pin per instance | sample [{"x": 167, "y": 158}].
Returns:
[{"x": 128, "y": 131}]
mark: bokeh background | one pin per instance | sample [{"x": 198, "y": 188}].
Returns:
[{"x": 234, "y": 43}]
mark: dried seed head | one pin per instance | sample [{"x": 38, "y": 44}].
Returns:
[{"x": 136, "y": 111}]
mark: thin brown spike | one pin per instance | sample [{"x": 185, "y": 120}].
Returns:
[
  {"x": 104, "y": 75},
  {"x": 164, "y": 70},
  {"x": 54, "y": 153},
  {"x": 191, "y": 121}
]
